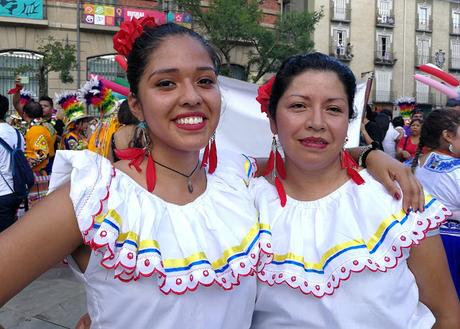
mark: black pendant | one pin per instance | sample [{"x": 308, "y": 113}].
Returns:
[{"x": 189, "y": 185}]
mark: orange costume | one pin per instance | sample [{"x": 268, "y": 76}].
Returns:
[
  {"x": 39, "y": 143},
  {"x": 100, "y": 139}
]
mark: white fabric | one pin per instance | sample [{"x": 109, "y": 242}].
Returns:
[
  {"x": 244, "y": 129},
  {"x": 168, "y": 250},
  {"x": 340, "y": 261},
  {"x": 389, "y": 142},
  {"x": 8, "y": 133},
  {"x": 440, "y": 176}
]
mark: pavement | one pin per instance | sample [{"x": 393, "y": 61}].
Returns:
[{"x": 54, "y": 300}]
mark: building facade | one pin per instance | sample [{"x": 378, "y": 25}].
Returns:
[
  {"x": 90, "y": 26},
  {"x": 389, "y": 39}
]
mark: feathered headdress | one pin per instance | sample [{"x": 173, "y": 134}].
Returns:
[
  {"x": 25, "y": 96},
  {"x": 95, "y": 93},
  {"x": 406, "y": 106},
  {"x": 73, "y": 108}
]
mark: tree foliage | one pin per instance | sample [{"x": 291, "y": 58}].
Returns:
[
  {"x": 58, "y": 57},
  {"x": 232, "y": 23}
]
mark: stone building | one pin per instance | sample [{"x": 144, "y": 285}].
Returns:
[
  {"x": 389, "y": 39},
  {"x": 89, "y": 25}
]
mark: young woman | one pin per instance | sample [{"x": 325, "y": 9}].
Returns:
[
  {"x": 158, "y": 220},
  {"x": 340, "y": 245},
  {"x": 439, "y": 172},
  {"x": 407, "y": 146}
]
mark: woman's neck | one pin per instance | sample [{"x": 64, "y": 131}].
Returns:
[{"x": 313, "y": 184}]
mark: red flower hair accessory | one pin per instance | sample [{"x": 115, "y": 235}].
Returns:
[
  {"x": 124, "y": 39},
  {"x": 263, "y": 94}
]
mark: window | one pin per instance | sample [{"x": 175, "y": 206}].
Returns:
[
  {"x": 23, "y": 63},
  {"x": 383, "y": 85},
  {"x": 340, "y": 41},
  {"x": 423, "y": 50},
  {"x": 105, "y": 66},
  {"x": 424, "y": 13},
  {"x": 456, "y": 22},
  {"x": 455, "y": 54},
  {"x": 384, "y": 47},
  {"x": 340, "y": 9},
  {"x": 384, "y": 9},
  {"x": 422, "y": 92}
]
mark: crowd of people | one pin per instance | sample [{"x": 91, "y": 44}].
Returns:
[{"x": 170, "y": 237}]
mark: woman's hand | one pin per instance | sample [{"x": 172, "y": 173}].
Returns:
[{"x": 388, "y": 171}]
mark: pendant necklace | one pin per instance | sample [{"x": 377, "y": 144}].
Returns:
[{"x": 189, "y": 176}]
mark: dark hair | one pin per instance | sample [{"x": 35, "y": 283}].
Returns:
[
  {"x": 47, "y": 99},
  {"x": 150, "y": 40},
  {"x": 4, "y": 106},
  {"x": 297, "y": 64},
  {"x": 416, "y": 111},
  {"x": 433, "y": 126},
  {"x": 125, "y": 116},
  {"x": 33, "y": 110},
  {"x": 420, "y": 121},
  {"x": 388, "y": 113},
  {"x": 383, "y": 122},
  {"x": 370, "y": 115},
  {"x": 398, "y": 121}
]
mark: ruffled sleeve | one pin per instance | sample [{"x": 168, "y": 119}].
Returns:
[{"x": 212, "y": 240}]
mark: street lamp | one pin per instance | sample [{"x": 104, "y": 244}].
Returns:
[{"x": 440, "y": 58}]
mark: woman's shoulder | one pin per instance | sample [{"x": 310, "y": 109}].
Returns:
[{"x": 441, "y": 163}]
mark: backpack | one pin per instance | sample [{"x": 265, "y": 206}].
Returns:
[{"x": 23, "y": 176}]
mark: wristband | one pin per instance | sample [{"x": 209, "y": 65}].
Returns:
[{"x": 365, "y": 152}]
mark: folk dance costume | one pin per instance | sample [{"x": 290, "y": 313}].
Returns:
[
  {"x": 39, "y": 143},
  {"x": 74, "y": 111},
  {"x": 158, "y": 264},
  {"x": 340, "y": 261},
  {"x": 440, "y": 176},
  {"x": 96, "y": 94}
]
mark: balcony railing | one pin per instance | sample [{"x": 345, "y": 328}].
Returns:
[
  {"x": 423, "y": 59},
  {"x": 383, "y": 96},
  {"x": 385, "y": 20},
  {"x": 454, "y": 63},
  {"x": 424, "y": 97},
  {"x": 342, "y": 53},
  {"x": 455, "y": 28},
  {"x": 384, "y": 57},
  {"x": 424, "y": 25},
  {"x": 340, "y": 13}
]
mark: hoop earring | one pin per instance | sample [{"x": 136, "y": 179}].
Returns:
[
  {"x": 210, "y": 155},
  {"x": 275, "y": 167},
  {"x": 348, "y": 163}
]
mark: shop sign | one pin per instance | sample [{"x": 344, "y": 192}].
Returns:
[{"x": 22, "y": 8}]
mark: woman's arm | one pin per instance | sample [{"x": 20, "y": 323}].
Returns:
[
  {"x": 390, "y": 172},
  {"x": 43, "y": 237},
  {"x": 428, "y": 263}
]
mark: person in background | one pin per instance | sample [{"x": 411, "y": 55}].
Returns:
[
  {"x": 9, "y": 202},
  {"x": 123, "y": 136},
  {"x": 398, "y": 124},
  {"x": 75, "y": 137},
  {"x": 370, "y": 130},
  {"x": 392, "y": 136},
  {"x": 453, "y": 103},
  {"x": 407, "y": 146},
  {"x": 439, "y": 172},
  {"x": 38, "y": 139}
]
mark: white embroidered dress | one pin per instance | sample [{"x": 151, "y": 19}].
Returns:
[
  {"x": 159, "y": 265},
  {"x": 440, "y": 176},
  {"x": 340, "y": 261}
]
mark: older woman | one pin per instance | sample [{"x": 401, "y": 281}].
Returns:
[{"x": 340, "y": 247}]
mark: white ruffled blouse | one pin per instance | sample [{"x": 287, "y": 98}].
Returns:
[
  {"x": 340, "y": 261},
  {"x": 150, "y": 256}
]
